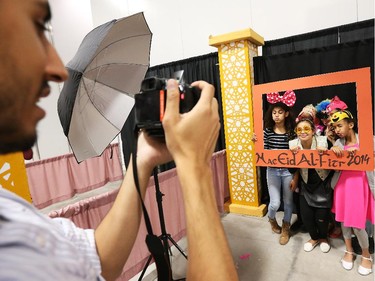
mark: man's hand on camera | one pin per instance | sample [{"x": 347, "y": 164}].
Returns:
[
  {"x": 191, "y": 136},
  {"x": 151, "y": 151}
]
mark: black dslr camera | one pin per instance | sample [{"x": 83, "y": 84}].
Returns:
[{"x": 150, "y": 103}]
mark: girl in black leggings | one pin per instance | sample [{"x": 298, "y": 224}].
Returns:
[{"x": 315, "y": 191}]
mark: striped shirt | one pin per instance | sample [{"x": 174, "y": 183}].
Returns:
[
  {"x": 275, "y": 141},
  {"x": 36, "y": 247}
]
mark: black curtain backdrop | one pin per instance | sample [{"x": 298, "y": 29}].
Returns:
[
  {"x": 321, "y": 39},
  {"x": 197, "y": 68},
  {"x": 335, "y": 49},
  {"x": 318, "y": 61}
]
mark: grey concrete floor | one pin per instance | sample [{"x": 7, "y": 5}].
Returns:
[
  {"x": 259, "y": 256},
  {"x": 257, "y": 253}
]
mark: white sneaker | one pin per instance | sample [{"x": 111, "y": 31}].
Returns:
[
  {"x": 308, "y": 246},
  {"x": 325, "y": 247}
]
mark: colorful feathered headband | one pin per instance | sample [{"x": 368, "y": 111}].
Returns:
[
  {"x": 322, "y": 106},
  {"x": 321, "y": 109}
]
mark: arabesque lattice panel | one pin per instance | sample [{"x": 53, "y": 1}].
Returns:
[
  {"x": 236, "y": 76},
  {"x": 13, "y": 174}
]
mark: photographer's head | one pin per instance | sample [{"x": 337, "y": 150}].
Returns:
[{"x": 28, "y": 62}]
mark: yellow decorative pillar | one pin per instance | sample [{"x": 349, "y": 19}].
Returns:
[
  {"x": 236, "y": 51},
  {"x": 13, "y": 174}
]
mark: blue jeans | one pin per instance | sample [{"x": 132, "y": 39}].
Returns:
[{"x": 278, "y": 181}]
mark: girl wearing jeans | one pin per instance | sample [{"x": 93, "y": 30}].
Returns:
[{"x": 279, "y": 125}]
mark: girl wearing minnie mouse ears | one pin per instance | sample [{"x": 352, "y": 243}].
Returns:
[{"x": 278, "y": 130}]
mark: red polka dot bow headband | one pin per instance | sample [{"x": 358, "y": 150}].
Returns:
[{"x": 289, "y": 98}]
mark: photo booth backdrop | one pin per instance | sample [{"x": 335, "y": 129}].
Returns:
[{"x": 330, "y": 50}]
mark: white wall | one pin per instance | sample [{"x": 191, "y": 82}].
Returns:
[
  {"x": 71, "y": 21},
  {"x": 181, "y": 30}
]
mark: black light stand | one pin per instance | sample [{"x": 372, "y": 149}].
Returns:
[{"x": 164, "y": 237}]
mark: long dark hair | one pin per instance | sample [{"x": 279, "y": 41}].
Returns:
[
  {"x": 351, "y": 119},
  {"x": 290, "y": 122}
]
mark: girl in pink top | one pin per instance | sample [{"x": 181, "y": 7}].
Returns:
[{"x": 353, "y": 201}]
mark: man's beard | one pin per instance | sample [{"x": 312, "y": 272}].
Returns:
[
  {"x": 15, "y": 147},
  {"x": 8, "y": 144}
]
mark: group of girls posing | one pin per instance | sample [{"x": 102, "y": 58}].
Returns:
[{"x": 351, "y": 198}]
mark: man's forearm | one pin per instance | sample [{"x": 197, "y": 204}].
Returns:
[
  {"x": 206, "y": 238},
  {"x": 116, "y": 234}
]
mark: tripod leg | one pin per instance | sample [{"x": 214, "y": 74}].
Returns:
[
  {"x": 164, "y": 235},
  {"x": 145, "y": 268},
  {"x": 176, "y": 245}
]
